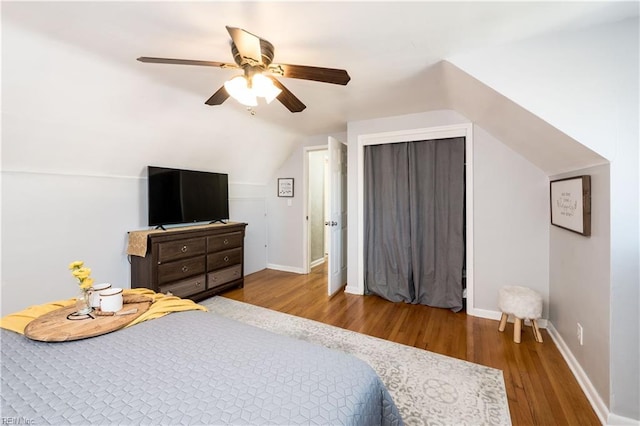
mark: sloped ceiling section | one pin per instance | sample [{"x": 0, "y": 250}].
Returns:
[
  {"x": 71, "y": 84},
  {"x": 545, "y": 146},
  {"x": 67, "y": 110}
]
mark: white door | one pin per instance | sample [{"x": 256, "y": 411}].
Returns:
[{"x": 337, "y": 222}]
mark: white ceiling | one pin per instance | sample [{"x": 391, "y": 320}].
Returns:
[{"x": 388, "y": 48}]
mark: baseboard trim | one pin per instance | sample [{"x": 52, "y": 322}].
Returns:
[
  {"x": 599, "y": 406},
  {"x": 317, "y": 262},
  {"x": 353, "y": 290},
  {"x": 583, "y": 380},
  {"x": 601, "y": 409},
  {"x": 284, "y": 268},
  {"x": 496, "y": 315},
  {"x": 484, "y": 313}
]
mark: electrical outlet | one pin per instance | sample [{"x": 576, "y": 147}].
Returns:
[{"x": 580, "y": 334}]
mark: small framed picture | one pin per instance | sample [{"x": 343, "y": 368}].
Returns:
[
  {"x": 571, "y": 204},
  {"x": 285, "y": 187}
]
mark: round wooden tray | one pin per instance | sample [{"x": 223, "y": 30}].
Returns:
[{"x": 55, "y": 327}]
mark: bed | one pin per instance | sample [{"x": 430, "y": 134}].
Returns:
[{"x": 188, "y": 367}]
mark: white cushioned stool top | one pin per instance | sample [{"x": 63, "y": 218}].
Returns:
[{"x": 521, "y": 302}]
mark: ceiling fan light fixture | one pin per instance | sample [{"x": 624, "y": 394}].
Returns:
[
  {"x": 238, "y": 89},
  {"x": 263, "y": 86},
  {"x": 254, "y": 56}
]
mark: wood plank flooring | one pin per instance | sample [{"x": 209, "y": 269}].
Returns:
[{"x": 540, "y": 387}]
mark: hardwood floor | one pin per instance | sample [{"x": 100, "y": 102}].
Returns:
[{"x": 540, "y": 387}]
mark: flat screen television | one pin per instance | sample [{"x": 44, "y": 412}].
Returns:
[{"x": 186, "y": 196}]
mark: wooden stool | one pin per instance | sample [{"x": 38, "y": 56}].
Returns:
[{"x": 522, "y": 303}]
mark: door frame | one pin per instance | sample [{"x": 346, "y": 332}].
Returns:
[
  {"x": 441, "y": 132},
  {"x": 306, "y": 241}
]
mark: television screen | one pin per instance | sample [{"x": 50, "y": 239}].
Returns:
[{"x": 186, "y": 196}]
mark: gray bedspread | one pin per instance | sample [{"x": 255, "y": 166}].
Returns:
[{"x": 188, "y": 368}]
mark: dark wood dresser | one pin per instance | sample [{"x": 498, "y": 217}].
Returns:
[{"x": 192, "y": 262}]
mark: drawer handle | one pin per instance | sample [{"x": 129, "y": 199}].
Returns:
[
  {"x": 184, "y": 249},
  {"x": 225, "y": 242},
  {"x": 214, "y": 278},
  {"x": 185, "y": 269},
  {"x": 226, "y": 258},
  {"x": 197, "y": 283}
]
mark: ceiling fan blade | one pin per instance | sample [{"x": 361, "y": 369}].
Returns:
[
  {"x": 287, "y": 98},
  {"x": 304, "y": 72},
  {"x": 186, "y": 62},
  {"x": 219, "y": 97},
  {"x": 248, "y": 46}
]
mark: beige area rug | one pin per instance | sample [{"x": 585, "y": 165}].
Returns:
[{"x": 428, "y": 388}]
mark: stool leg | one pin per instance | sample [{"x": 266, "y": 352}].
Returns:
[
  {"x": 536, "y": 331},
  {"x": 503, "y": 321},
  {"x": 517, "y": 330}
]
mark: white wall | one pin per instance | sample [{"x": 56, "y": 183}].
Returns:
[
  {"x": 75, "y": 145},
  {"x": 511, "y": 216},
  {"x": 284, "y": 218},
  {"x": 247, "y": 203},
  {"x": 50, "y": 220},
  {"x": 83, "y": 114},
  {"x": 510, "y": 210},
  {"x": 579, "y": 284},
  {"x": 285, "y": 215},
  {"x": 585, "y": 83}
]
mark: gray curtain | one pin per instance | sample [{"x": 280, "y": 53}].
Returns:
[{"x": 414, "y": 222}]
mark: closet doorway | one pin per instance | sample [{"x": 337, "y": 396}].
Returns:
[
  {"x": 464, "y": 130},
  {"x": 414, "y": 222}
]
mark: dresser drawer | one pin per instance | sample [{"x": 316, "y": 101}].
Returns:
[
  {"x": 185, "y": 288},
  {"x": 181, "y": 269},
  {"x": 224, "y": 241},
  {"x": 223, "y": 259},
  {"x": 223, "y": 276},
  {"x": 174, "y": 250}
]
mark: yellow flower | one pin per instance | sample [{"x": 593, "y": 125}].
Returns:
[
  {"x": 75, "y": 265},
  {"x": 81, "y": 273},
  {"x": 86, "y": 284}
]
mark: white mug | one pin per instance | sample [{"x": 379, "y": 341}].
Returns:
[
  {"x": 94, "y": 299},
  {"x": 111, "y": 299}
]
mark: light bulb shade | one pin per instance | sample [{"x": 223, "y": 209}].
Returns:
[
  {"x": 238, "y": 89},
  {"x": 263, "y": 86}
]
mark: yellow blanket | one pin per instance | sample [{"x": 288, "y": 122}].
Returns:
[{"x": 161, "y": 306}]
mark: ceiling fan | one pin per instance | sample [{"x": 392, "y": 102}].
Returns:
[{"x": 254, "y": 55}]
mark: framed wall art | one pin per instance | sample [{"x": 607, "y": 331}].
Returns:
[
  {"x": 571, "y": 204},
  {"x": 285, "y": 187}
]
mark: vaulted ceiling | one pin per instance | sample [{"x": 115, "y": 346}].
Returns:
[{"x": 71, "y": 83}]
